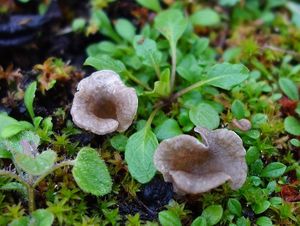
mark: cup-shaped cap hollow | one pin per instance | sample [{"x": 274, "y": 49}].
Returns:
[
  {"x": 103, "y": 104},
  {"x": 195, "y": 167}
]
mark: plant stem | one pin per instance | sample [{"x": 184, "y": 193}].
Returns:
[
  {"x": 51, "y": 170},
  {"x": 30, "y": 189},
  {"x": 155, "y": 66},
  {"x": 192, "y": 87},
  {"x": 157, "y": 70},
  {"x": 13, "y": 176},
  {"x": 173, "y": 72},
  {"x": 285, "y": 51},
  {"x": 31, "y": 199},
  {"x": 130, "y": 76},
  {"x": 152, "y": 115}
]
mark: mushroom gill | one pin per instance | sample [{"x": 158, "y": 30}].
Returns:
[
  {"x": 195, "y": 167},
  {"x": 103, "y": 103}
]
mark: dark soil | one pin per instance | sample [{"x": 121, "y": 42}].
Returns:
[{"x": 150, "y": 200}]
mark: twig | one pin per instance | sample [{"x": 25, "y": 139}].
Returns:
[{"x": 274, "y": 48}]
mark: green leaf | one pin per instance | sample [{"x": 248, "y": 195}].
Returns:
[
  {"x": 257, "y": 167},
  {"x": 199, "y": 46},
  {"x": 35, "y": 165},
  {"x": 271, "y": 187},
  {"x": 295, "y": 142},
  {"x": 228, "y": 2},
  {"x": 256, "y": 181},
  {"x": 261, "y": 207},
  {"x": 205, "y": 17},
  {"x": 78, "y": 24},
  {"x": 10, "y": 127},
  {"x": 104, "y": 47},
  {"x": 289, "y": 88},
  {"x": 47, "y": 124},
  {"x": 264, "y": 221},
  {"x": 231, "y": 54},
  {"x": 5, "y": 120},
  {"x": 227, "y": 75},
  {"x": 14, "y": 129},
  {"x": 169, "y": 128},
  {"x": 169, "y": 218},
  {"x": 125, "y": 29},
  {"x": 171, "y": 24},
  {"x": 242, "y": 221},
  {"x": 199, "y": 221},
  {"x": 212, "y": 214},
  {"x": 139, "y": 153},
  {"x": 15, "y": 186},
  {"x": 29, "y": 97},
  {"x": 258, "y": 119},
  {"x": 22, "y": 221},
  {"x": 184, "y": 120},
  {"x": 105, "y": 62},
  {"x": 238, "y": 109},
  {"x": 254, "y": 134},
  {"x": 146, "y": 49},
  {"x": 204, "y": 115},
  {"x": 161, "y": 87},
  {"x": 294, "y": 8},
  {"x": 37, "y": 121},
  {"x": 189, "y": 69},
  {"x": 11, "y": 130},
  {"x": 91, "y": 173},
  {"x": 42, "y": 217},
  {"x": 292, "y": 125},
  {"x": 15, "y": 145},
  {"x": 105, "y": 25},
  {"x": 235, "y": 207},
  {"x": 274, "y": 169},
  {"x": 4, "y": 154},
  {"x": 275, "y": 201},
  {"x": 150, "y": 4},
  {"x": 119, "y": 142},
  {"x": 252, "y": 155}
]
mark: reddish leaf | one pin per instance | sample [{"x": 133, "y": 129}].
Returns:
[
  {"x": 290, "y": 193},
  {"x": 288, "y": 106}
]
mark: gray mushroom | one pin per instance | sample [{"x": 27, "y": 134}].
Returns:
[
  {"x": 195, "y": 167},
  {"x": 242, "y": 124},
  {"x": 103, "y": 104}
]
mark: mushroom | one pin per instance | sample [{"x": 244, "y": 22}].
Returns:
[
  {"x": 195, "y": 167},
  {"x": 242, "y": 124},
  {"x": 103, "y": 104}
]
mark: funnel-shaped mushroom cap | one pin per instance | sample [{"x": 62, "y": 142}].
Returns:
[
  {"x": 103, "y": 103},
  {"x": 194, "y": 167}
]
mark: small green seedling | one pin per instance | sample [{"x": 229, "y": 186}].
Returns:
[
  {"x": 19, "y": 142},
  {"x": 32, "y": 166}
]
